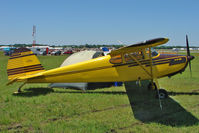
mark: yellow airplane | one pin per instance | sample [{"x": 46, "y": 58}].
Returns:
[{"x": 131, "y": 63}]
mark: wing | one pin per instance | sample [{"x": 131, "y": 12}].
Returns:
[{"x": 139, "y": 46}]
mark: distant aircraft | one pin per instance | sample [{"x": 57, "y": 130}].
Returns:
[{"x": 131, "y": 63}]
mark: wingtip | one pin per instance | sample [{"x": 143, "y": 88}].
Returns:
[{"x": 167, "y": 39}]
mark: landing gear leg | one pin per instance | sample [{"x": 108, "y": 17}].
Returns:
[{"x": 19, "y": 89}]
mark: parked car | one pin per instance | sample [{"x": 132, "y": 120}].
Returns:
[
  {"x": 53, "y": 52},
  {"x": 44, "y": 53},
  {"x": 68, "y": 52},
  {"x": 58, "y": 53}
]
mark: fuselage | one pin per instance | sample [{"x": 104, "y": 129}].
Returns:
[{"x": 104, "y": 69}]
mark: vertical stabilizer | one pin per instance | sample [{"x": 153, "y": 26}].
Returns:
[{"x": 23, "y": 62}]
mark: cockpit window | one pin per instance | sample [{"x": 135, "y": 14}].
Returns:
[
  {"x": 138, "y": 55},
  {"x": 116, "y": 59},
  {"x": 127, "y": 57},
  {"x": 154, "y": 53}
]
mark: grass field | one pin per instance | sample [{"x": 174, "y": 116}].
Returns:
[{"x": 40, "y": 109}]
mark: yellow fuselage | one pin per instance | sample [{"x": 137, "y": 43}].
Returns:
[{"x": 101, "y": 70}]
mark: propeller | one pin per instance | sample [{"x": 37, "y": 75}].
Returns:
[{"x": 189, "y": 57}]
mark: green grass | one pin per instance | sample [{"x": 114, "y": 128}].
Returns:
[{"x": 40, "y": 109}]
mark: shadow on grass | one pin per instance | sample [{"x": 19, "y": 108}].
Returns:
[
  {"x": 30, "y": 92},
  {"x": 122, "y": 92},
  {"x": 146, "y": 108},
  {"x": 171, "y": 93},
  {"x": 94, "y": 92},
  {"x": 43, "y": 91}
]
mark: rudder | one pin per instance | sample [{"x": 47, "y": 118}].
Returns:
[{"x": 23, "y": 62}]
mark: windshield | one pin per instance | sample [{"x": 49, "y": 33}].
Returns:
[{"x": 154, "y": 52}]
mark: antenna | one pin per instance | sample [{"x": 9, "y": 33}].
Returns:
[{"x": 34, "y": 35}]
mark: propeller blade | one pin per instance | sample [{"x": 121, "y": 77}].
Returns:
[
  {"x": 187, "y": 42},
  {"x": 190, "y": 68},
  {"x": 188, "y": 54}
]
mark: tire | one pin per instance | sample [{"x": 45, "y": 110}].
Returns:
[
  {"x": 150, "y": 86},
  {"x": 162, "y": 94}
]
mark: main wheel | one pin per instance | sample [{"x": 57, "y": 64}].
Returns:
[
  {"x": 162, "y": 94},
  {"x": 150, "y": 87}
]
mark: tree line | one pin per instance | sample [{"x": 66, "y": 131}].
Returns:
[{"x": 92, "y": 46}]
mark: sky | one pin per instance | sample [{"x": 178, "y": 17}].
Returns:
[{"x": 77, "y": 22}]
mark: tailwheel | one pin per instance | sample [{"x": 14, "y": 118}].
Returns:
[
  {"x": 162, "y": 94},
  {"x": 152, "y": 87},
  {"x": 18, "y": 91}
]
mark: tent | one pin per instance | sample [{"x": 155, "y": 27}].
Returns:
[{"x": 79, "y": 57}]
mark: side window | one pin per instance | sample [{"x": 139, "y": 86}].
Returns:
[
  {"x": 128, "y": 58},
  {"x": 116, "y": 59},
  {"x": 138, "y": 55}
]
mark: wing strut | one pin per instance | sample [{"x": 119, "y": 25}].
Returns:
[
  {"x": 151, "y": 74},
  {"x": 154, "y": 78},
  {"x": 140, "y": 64}
]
